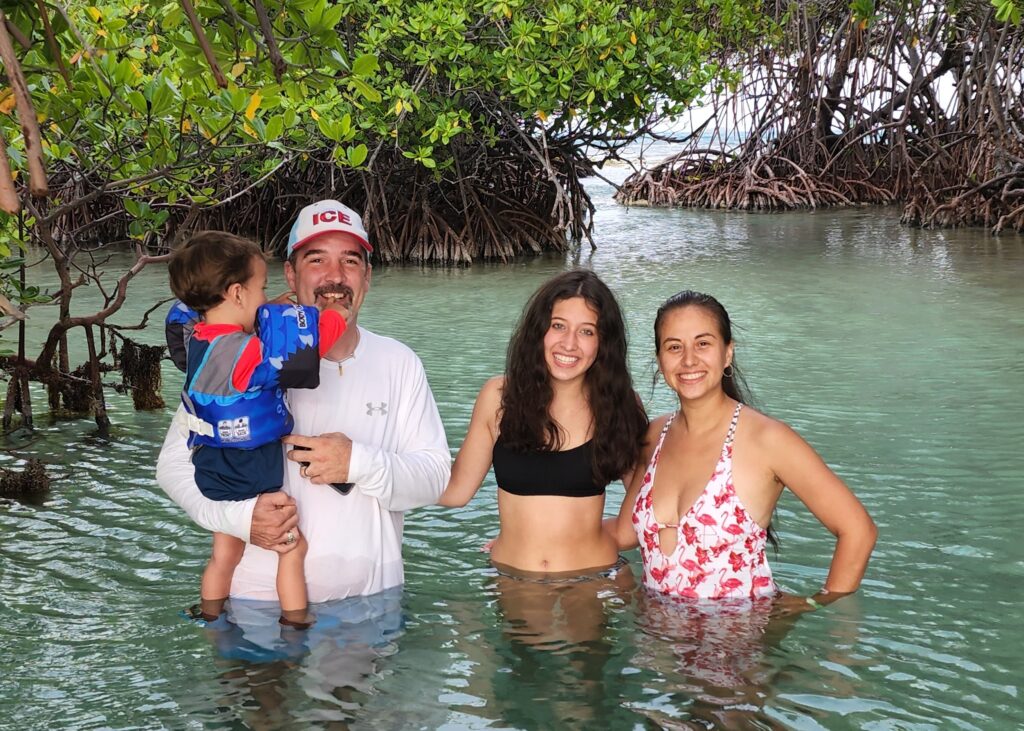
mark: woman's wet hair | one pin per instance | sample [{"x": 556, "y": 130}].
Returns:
[
  {"x": 619, "y": 419},
  {"x": 734, "y": 384},
  {"x": 210, "y": 261}
]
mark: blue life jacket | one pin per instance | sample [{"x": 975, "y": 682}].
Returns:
[
  {"x": 180, "y": 321},
  {"x": 221, "y": 416}
]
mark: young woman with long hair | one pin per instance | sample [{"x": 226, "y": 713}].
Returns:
[{"x": 559, "y": 426}]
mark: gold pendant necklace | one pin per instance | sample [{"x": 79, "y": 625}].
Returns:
[
  {"x": 341, "y": 363},
  {"x": 350, "y": 356}
]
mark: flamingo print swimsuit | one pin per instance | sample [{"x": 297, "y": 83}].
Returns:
[{"x": 719, "y": 548}]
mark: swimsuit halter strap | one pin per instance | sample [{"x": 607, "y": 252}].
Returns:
[
  {"x": 661, "y": 439},
  {"x": 664, "y": 429},
  {"x": 732, "y": 427}
]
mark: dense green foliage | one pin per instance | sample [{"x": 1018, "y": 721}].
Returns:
[{"x": 143, "y": 117}]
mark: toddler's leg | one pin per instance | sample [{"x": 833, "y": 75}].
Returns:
[
  {"x": 213, "y": 592},
  {"x": 291, "y": 586}
]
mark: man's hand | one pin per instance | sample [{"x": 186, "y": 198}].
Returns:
[
  {"x": 327, "y": 455},
  {"x": 272, "y": 518}
]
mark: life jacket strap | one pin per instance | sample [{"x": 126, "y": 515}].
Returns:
[{"x": 193, "y": 422}]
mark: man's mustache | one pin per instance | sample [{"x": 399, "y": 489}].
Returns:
[{"x": 333, "y": 289}]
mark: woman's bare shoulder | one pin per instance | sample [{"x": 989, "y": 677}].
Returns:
[
  {"x": 490, "y": 393},
  {"x": 494, "y": 383},
  {"x": 766, "y": 431},
  {"x": 655, "y": 427}
]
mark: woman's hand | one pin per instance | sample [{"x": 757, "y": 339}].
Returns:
[{"x": 791, "y": 605}]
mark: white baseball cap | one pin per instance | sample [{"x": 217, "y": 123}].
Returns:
[{"x": 324, "y": 217}]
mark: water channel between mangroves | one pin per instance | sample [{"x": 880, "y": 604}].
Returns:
[{"x": 896, "y": 352}]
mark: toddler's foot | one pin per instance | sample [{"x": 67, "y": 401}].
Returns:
[
  {"x": 300, "y": 619},
  {"x": 209, "y": 609}
]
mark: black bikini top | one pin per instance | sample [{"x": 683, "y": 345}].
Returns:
[{"x": 567, "y": 473}]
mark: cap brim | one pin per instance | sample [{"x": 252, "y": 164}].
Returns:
[{"x": 302, "y": 242}]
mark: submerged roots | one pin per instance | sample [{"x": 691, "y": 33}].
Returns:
[
  {"x": 840, "y": 109},
  {"x": 29, "y": 481},
  {"x": 766, "y": 184},
  {"x": 140, "y": 373}
]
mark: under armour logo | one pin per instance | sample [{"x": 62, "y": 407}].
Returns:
[{"x": 382, "y": 409}]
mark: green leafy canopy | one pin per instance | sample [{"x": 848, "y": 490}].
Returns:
[{"x": 143, "y": 117}]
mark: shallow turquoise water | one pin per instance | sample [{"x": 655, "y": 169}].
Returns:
[{"x": 896, "y": 352}]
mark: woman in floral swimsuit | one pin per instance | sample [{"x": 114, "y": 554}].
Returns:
[{"x": 704, "y": 537}]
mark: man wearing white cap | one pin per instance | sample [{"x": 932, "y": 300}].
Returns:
[{"x": 372, "y": 422}]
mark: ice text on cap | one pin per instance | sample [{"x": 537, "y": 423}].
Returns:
[{"x": 330, "y": 217}]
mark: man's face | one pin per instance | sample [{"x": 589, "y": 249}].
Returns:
[{"x": 331, "y": 264}]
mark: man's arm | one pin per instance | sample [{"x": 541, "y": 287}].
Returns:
[
  {"x": 176, "y": 477},
  {"x": 263, "y": 521},
  {"x": 417, "y": 473}
]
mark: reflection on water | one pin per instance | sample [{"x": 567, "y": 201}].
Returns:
[
  {"x": 557, "y": 649},
  {"x": 273, "y": 672},
  {"x": 711, "y": 644},
  {"x": 896, "y": 352},
  {"x": 725, "y": 664},
  {"x": 555, "y": 614},
  {"x": 545, "y": 658}
]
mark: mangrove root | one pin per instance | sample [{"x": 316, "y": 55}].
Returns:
[
  {"x": 31, "y": 480},
  {"x": 140, "y": 372}
]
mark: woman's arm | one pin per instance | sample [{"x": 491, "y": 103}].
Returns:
[
  {"x": 621, "y": 527},
  {"x": 798, "y": 466},
  {"x": 474, "y": 458}
]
